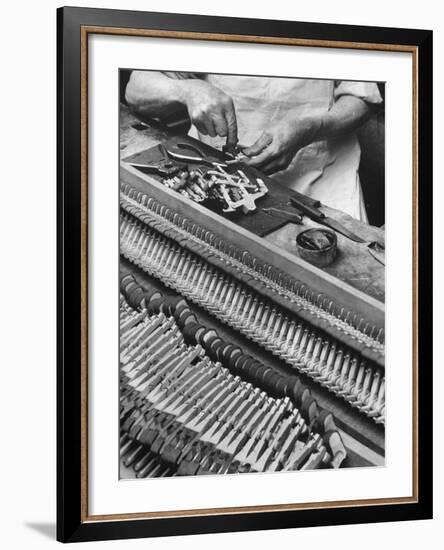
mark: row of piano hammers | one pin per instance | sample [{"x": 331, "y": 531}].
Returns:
[
  {"x": 191, "y": 403},
  {"x": 245, "y": 307}
]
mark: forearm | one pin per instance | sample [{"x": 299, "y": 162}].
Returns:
[
  {"x": 347, "y": 114},
  {"x": 152, "y": 93},
  {"x": 210, "y": 110}
]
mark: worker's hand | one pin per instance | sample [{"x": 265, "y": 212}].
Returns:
[
  {"x": 278, "y": 144},
  {"x": 210, "y": 109}
]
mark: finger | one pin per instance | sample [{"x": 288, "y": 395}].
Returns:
[
  {"x": 200, "y": 127},
  {"x": 259, "y": 145},
  {"x": 272, "y": 167},
  {"x": 208, "y": 123},
  {"x": 263, "y": 158},
  {"x": 230, "y": 117},
  {"x": 220, "y": 125}
]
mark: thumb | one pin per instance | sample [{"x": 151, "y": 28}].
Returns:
[{"x": 258, "y": 146}]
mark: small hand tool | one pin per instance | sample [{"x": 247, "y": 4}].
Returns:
[
  {"x": 284, "y": 214},
  {"x": 230, "y": 151},
  {"x": 377, "y": 250},
  {"x": 185, "y": 152},
  {"x": 315, "y": 214},
  {"x": 162, "y": 167},
  {"x": 234, "y": 153}
]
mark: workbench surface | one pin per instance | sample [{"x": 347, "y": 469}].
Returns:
[{"x": 353, "y": 264}]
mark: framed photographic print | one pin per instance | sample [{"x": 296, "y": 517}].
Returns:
[{"x": 244, "y": 274}]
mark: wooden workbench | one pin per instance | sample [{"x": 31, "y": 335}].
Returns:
[{"x": 353, "y": 264}]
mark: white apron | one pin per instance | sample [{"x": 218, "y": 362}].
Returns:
[{"x": 327, "y": 171}]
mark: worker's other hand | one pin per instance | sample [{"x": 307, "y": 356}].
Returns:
[
  {"x": 278, "y": 144},
  {"x": 211, "y": 110}
]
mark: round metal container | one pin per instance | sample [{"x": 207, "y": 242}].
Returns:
[{"x": 317, "y": 246}]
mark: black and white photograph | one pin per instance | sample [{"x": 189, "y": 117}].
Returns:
[
  {"x": 252, "y": 274},
  {"x": 244, "y": 274},
  {"x": 220, "y": 307}
]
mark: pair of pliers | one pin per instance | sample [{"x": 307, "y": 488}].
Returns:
[
  {"x": 162, "y": 166},
  {"x": 185, "y": 152}
]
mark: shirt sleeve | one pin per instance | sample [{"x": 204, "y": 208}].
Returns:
[
  {"x": 368, "y": 91},
  {"x": 181, "y": 75},
  {"x": 123, "y": 82}
]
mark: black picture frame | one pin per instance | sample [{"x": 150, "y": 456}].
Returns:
[{"x": 73, "y": 523}]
